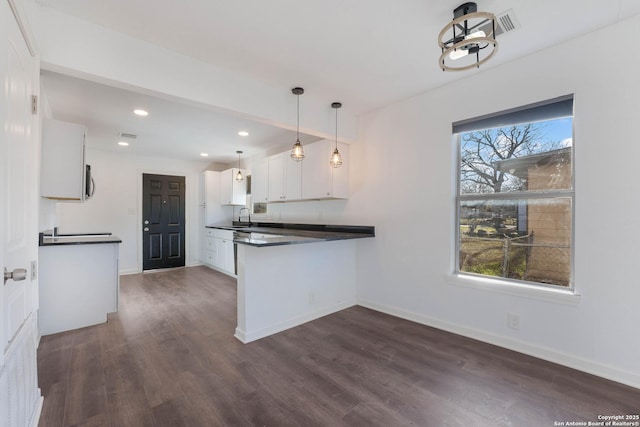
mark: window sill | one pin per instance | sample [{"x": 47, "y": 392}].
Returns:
[{"x": 506, "y": 287}]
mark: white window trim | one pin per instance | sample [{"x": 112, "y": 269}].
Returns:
[
  {"x": 507, "y": 286},
  {"x": 515, "y": 288}
]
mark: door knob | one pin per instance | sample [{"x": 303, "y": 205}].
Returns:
[
  {"x": 145, "y": 229},
  {"x": 16, "y": 275}
]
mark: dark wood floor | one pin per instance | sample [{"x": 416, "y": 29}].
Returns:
[{"x": 169, "y": 358}]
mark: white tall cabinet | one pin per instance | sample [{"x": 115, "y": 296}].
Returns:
[
  {"x": 212, "y": 211},
  {"x": 217, "y": 245}
]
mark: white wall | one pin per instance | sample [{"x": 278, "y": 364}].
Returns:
[
  {"x": 402, "y": 182},
  {"x": 116, "y": 206},
  {"x": 407, "y": 192}
]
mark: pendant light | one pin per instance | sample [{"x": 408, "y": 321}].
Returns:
[
  {"x": 297, "y": 153},
  {"x": 239, "y": 176},
  {"x": 336, "y": 157}
]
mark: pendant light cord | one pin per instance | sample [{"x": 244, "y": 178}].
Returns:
[
  {"x": 298, "y": 121},
  {"x": 336, "y": 128}
]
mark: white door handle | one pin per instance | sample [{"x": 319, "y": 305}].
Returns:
[{"x": 15, "y": 275}]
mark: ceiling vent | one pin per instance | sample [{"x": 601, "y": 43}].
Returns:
[
  {"x": 505, "y": 23},
  {"x": 127, "y": 135}
]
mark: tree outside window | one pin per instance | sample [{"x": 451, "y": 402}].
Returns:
[{"x": 515, "y": 201}]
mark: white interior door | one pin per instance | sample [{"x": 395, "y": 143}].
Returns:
[
  {"x": 19, "y": 163},
  {"x": 19, "y": 153}
]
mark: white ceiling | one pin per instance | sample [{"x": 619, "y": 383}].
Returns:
[
  {"x": 367, "y": 53},
  {"x": 173, "y": 129}
]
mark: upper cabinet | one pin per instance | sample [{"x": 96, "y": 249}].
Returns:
[
  {"x": 210, "y": 197},
  {"x": 232, "y": 191},
  {"x": 319, "y": 179},
  {"x": 63, "y": 168},
  {"x": 285, "y": 178},
  {"x": 260, "y": 181},
  {"x": 279, "y": 179}
]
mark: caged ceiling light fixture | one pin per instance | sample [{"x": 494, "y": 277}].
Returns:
[
  {"x": 469, "y": 40},
  {"x": 336, "y": 157},
  {"x": 297, "y": 153},
  {"x": 239, "y": 176}
]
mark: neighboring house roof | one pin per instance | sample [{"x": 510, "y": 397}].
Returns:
[{"x": 519, "y": 166}]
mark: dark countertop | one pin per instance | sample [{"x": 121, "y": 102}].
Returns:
[
  {"x": 290, "y": 234},
  {"x": 77, "y": 239}
]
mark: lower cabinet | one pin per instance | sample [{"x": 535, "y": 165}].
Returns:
[
  {"x": 79, "y": 285},
  {"x": 218, "y": 250}
]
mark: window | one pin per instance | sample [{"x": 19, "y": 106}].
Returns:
[{"x": 515, "y": 194}]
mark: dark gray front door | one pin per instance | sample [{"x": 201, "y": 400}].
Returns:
[{"x": 163, "y": 220}]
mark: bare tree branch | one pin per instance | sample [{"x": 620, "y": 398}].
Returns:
[{"x": 481, "y": 149}]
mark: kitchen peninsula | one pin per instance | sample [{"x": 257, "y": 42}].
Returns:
[
  {"x": 79, "y": 281},
  {"x": 289, "y": 274}
]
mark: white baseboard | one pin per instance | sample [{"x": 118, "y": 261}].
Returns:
[
  {"x": 545, "y": 353},
  {"x": 35, "y": 419},
  {"x": 128, "y": 272},
  {"x": 246, "y": 337},
  {"x": 240, "y": 335}
]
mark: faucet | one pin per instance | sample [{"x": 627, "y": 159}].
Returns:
[{"x": 240, "y": 215}]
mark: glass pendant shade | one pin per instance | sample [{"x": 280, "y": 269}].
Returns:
[
  {"x": 239, "y": 176},
  {"x": 297, "y": 152},
  {"x": 336, "y": 159}
]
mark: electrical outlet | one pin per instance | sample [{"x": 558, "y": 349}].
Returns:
[
  {"x": 513, "y": 321},
  {"x": 312, "y": 297},
  {"x": 34, "y": 270}
]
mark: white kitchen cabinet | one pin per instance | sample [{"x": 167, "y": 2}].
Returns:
[
  {"x": 226, "y": 257},
  {"x": 260, "y": 181},
  {"x": 285, "y": 178},
  {"x": 79, "y": 285},
  {"x": 219, "y": 250},
  {"x": 319, "y": 179},
  {"x": 63, "y": 161},
  {"x": 232, "y": 191},
  {"x": 210, "y": 198},
  {"x": 209, "y": 249}
]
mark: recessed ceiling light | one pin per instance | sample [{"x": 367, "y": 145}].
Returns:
[
  {"x": 243, "y": 133},
  {"x": 204, "y": 154},
  {"x": 141, "y": 112},
  {"x": 123, "y": 143}
]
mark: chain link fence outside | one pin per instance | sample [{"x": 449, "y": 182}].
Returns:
[{"x": 516, "y": 258}]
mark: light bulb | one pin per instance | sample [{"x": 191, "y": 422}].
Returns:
[
  {"x": 336, "y": 159},
  {"x": 461, "y": 52},
  {"x": 297, "y": 152}
]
